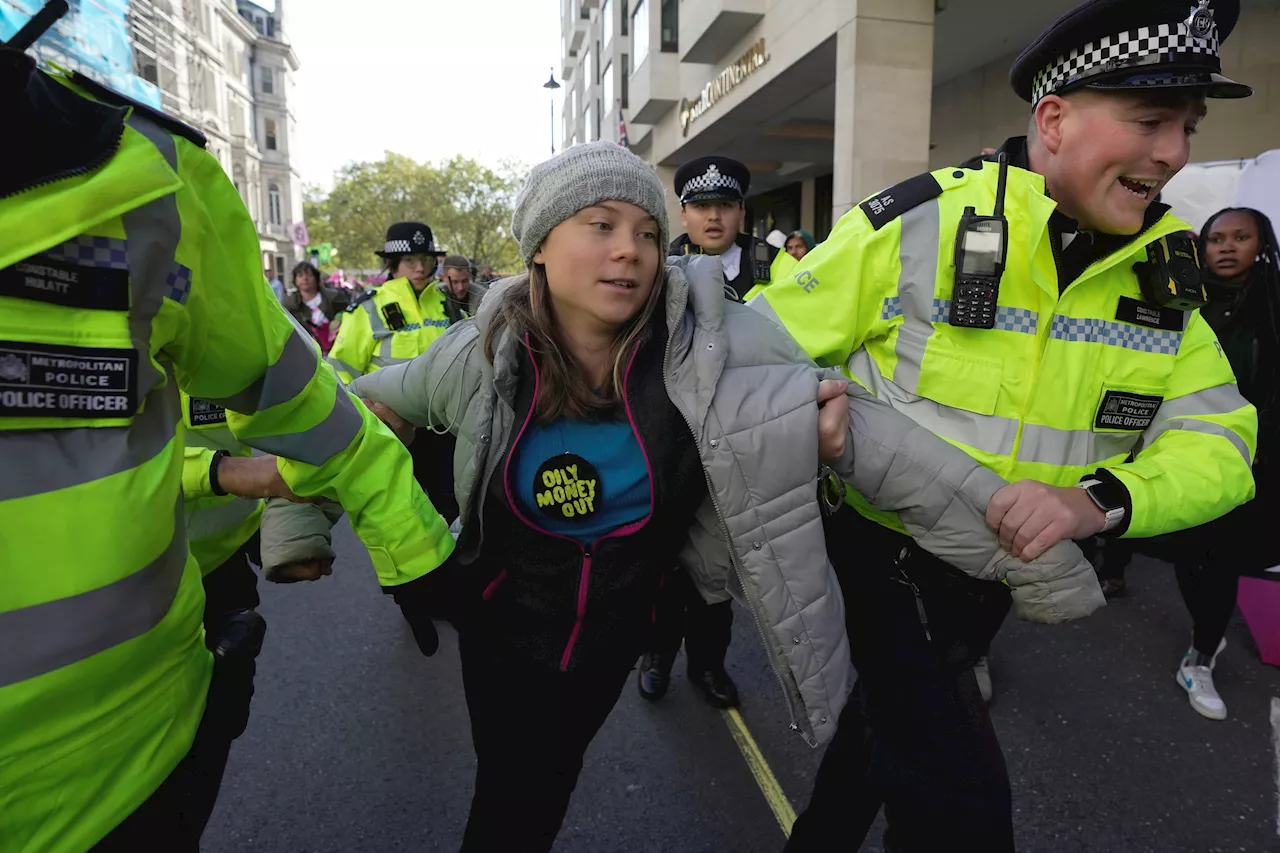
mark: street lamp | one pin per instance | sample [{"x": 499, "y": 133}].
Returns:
[{"x": 551, "y": 85}]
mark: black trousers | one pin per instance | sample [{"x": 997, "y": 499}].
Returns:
[
  {"x": 531, "y": 727},
  {"x": 680, "y": 615},
  {"x": 174, "y": 817},
  {"x": 915, "y": 736}
]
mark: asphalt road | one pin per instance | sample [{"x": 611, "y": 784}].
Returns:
[{"x": 358, "y": 743}]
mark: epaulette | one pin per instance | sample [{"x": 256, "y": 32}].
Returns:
[
  {"x": 883, "y": 208},
  {"x": 110, "y": 96},
  {"x": 359, "y": 300}
]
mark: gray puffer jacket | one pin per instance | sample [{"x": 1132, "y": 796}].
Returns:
[{"x": 748, "y": 394}]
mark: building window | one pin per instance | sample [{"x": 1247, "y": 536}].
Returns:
[
  {"x": 622, "y": 8},
  {"x": 592, "y": 129},
  {"x": 626, "y": 74},
  {"x": 148, "y": 70},
  {"x": 599, "y": 115},
  {"x": 271, "y": 134},
  {"x": 670, "y": 26},
  {"x": 587, "y": 70},
  {"x": 606, "y": 22},
  {"x": 273, "y": 204},
  {"x": 606, "y": 83},
  {"x": 268, "y": 81},
  {"x": 640, "y": 32}
]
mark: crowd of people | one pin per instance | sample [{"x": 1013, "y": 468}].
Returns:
[{"x": 877, "y": 446}]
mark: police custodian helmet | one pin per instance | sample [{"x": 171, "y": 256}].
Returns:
[
  {"x": 409, "y": 238},
  {"x": 711, "y": 179},
  {"x": 1131, "y": 45}
]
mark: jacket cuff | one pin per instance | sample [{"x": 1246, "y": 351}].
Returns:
[
  {"x": 1114, "y": 493},
  {"x": 195, "y": 473},
  {"x": 417, "y": 546}
]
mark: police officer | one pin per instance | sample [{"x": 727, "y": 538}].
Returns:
[
  {"x": 123, "y": 249},
  {"x": 1037, "y": 310},
  {"x": 396, "y": 323},
  {"x": 711, "y": 191}
]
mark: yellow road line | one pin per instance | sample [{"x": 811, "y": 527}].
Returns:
[{"x": 768, "y": 783}]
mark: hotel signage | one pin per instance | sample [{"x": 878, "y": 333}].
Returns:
[{"x": 722, "y": 84}]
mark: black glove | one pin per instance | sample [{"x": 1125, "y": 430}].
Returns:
[{"x": 413, "y": 598}]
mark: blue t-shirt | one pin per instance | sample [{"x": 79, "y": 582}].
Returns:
[{"x": 582, "y": 479}]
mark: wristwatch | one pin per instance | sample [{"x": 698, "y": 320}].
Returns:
[
  {"x": 1097, "y": 493},
  {"x": 214, "y": 485}
]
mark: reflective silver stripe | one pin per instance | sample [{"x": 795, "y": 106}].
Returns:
[
  {"x": 340, "y": 365},
  {"x": 1210, "y": 428},
  {"x": 985, "y": 433},
  {"x": 918, "y": 255},
  {"x": 37, "y": 461},
  {"x": 152, "y": 233},
  {"x": 220, "y": 518},
  {"x": 282, "y": 381},
  {"x": 1184, "y": 412},
  {"x": 322, "y": 442},
  {"x": 1080, "y": 447},
  {"x": 380, "y": 362},
  {"x": 1218, "y": 400},
  {"x": 46, "y": 637},
  {"x": 381, "y": 334}
]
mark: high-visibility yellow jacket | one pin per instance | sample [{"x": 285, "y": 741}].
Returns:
[
  {"x": 217, "y": 525},
  {"x": 372, "y": 337},
  {"x": 122, "y": 279},
  {"x": 1064, "y": 386}
]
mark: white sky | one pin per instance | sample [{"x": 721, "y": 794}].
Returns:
[{"x": 424, "y": 78}]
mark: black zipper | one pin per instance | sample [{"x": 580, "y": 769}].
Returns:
[{"x": 93, "y": 165}]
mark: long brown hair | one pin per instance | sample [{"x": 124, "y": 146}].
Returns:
[{"x": 526, "y": 307}]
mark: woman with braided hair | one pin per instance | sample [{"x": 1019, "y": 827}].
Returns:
[{"x": 1241, "y": 262}]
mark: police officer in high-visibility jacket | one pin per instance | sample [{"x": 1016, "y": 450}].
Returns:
[
  {"x": 124, "y": 249},
  {"x": 400, "y": 319},
  {"x": 1041, "y": 317},
  {"x": 396, "y": 323}
]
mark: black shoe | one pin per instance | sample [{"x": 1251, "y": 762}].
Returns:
[
  {"x": 655, "y": 676},
  {"x": 717, "y": 687}
]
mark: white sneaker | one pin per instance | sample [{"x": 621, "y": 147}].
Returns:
[
  {"x": 982, "y": 672},
  {"x": 1195, "y": 674}
]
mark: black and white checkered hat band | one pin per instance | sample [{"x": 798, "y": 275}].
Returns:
[
  {"x": 397, "y": 247},
  {"x": 1118, "y": 52},
  {"x": 711, "y": 182}
]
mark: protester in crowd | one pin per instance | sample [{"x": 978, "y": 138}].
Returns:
[
  {"x": 277, "y": 286},
  {"x": 317, "y": 307},
  {"x": 608, "y": 414},
  {"x": 459, "y": 284},
  {"x": 1241, "y": 262},
  {"x": 800, "y": 243}
]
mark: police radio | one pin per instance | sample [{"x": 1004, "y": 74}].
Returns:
[
  {"x": 394, "y": 315},
  {"x": 982, "y": 243},
  {"x": 761, "y": 262},
  {"x": 1171, "y": 276}
]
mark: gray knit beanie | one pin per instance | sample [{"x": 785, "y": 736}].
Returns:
[{"x": 580, "y": 177}]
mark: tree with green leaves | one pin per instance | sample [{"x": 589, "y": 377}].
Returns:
[{"x": 467, "y": 205}]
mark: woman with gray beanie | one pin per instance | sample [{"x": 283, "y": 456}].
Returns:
[{"x": 617, "y": 417}]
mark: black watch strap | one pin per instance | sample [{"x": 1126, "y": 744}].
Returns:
[
  {"x": 214, "y": 485},
  {"x": 1111, "y": 493}
]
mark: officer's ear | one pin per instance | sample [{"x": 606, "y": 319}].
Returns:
[
  {"x": 1050, "y": 115},
  {"x": 684, "y": 220}
]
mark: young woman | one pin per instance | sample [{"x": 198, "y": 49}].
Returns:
[
  {"x": 1238, "y": 252},
  {"x": 616, "y": 418},
  {"x": 314, "y": 305}
]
